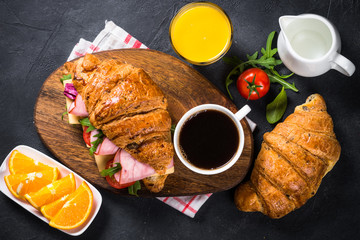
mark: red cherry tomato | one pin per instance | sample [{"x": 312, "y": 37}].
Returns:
[
  {"x": 112, "y": 181},
  {"x": 86, "y": 136},
  {"x": 253, "y": 84}
]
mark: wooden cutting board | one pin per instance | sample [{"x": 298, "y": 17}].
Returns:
[{"x": 184, "y": 88}]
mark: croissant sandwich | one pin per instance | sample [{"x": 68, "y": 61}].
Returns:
[
  {"x": 293, "y": 159},
  {"x": 122, "y": 103}
]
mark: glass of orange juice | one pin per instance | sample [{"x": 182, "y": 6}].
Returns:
[{"x": 201, "y": 33}]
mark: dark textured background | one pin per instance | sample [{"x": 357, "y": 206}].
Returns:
[{"x": 37, "y": 36}]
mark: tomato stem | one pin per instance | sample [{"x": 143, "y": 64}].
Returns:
[{"x": 252, "y": 87}]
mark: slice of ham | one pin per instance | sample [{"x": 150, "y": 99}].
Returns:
[
  {"x": 106, "y": 148},
  {"x": 78, "y": 107},
  {"x": 171, "y": 164},
  {"x": 132, "y": 170}
]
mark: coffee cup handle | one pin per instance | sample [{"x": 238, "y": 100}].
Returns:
[
  {"x": 242, "y": 112},
  {"x": 343, "y": 65}
]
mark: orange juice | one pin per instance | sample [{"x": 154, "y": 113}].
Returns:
[{"x": 201, "y": 33}]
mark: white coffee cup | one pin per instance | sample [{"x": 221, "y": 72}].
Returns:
[
  {"x": 236, "y": 120},
  {"x": 309, "y": 45}
]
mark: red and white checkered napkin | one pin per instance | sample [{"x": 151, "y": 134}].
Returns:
[{"x": 114, "y": 37}]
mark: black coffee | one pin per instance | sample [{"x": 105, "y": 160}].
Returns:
[{"x": 209, "y": 139}]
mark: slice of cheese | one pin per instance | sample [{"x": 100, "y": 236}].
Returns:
[
  {"x": 101, "y": 160},
  {"x": 168, "y": 171},
  {"x": 73, "y": 119}
]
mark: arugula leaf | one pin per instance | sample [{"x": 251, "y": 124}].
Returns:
[
  {"x": 64, "y": 113},
  {"x": 234, "y": 61},
  {"x": 268, "y": 52},
  {"x": 266, "y": 61},
  {"x": 111, "y": 171},
  {"x": 133, "y": 189},
  {"x": 276, "y": 79},
  {"x": 235, "y": 72},
  {"x": 95, "y": 144},
  {"x": 99, "y": 136},
  {"x": 172, "y": 128},
  {"x": 276, "y": 109},
  {"x": 86, "y": 122},
  {"x": 281, "y": 76},
  {"x": 229, "y": 81},
  {"x": 65, "y": 77},
  {"x": 272, "y": 53},
  {"x": 263, "y": 51},
  {"x": 278, "y": 61},
  {"x": 252, "y": 57}
]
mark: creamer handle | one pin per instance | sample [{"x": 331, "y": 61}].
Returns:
[{"x": 343, "y": 65}]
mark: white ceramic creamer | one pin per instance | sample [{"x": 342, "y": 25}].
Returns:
[{"x": 309, "y": 45}]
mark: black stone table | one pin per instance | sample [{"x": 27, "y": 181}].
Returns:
[{"x": 37, "y": 36}]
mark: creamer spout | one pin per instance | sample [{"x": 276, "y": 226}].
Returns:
[{"x": 284, "y": 21}]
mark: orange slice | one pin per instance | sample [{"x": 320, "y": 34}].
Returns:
[
  {"x": 52, "y": 191},
  {"x": 76, "y": 210},
  {"x": 20, "y": 163},
  {"x": 51, "y": 209},
  {"x": 21, "y": 184}
]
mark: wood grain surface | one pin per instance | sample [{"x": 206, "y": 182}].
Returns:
[{"x": 184, "y": 88}]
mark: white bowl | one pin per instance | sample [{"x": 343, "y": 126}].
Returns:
[{"x": 35, "y": 154}]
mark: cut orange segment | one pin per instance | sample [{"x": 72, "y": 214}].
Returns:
[
  {"x": 52, "y": 191},
  {"x": 20, "y": 163},
  {"x": 76, "y": 210},
  {"x": 21, "y": 184},
  {"x": 51, "y": 209}
]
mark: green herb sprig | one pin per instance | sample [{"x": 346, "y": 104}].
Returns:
[
  {"x": 267, "y": 62},
  {"x": 65, "y": 77},
  {"x": 99, "y": 136},
  {"x": 172, "y": 128},
  {"x": 64, "y": 113},
  {"x": 95, "y": 144},
  {"x": 86, "y": 122},
  {"x": 111, "y": 171},
  {"x": 133, "y": 189}
]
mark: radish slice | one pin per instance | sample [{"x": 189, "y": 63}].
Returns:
[
  {"x": 78, "y": 107},
  {"x": 131, "y": 170},
  {"x": 106, "y": 148}
]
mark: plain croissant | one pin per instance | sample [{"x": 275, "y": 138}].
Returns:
[{"x": 293, "y": 159}]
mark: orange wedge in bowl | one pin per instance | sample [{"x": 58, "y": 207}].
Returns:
[
  {"x": 52, "y": 191},
  {"x": 20, "y": 163},
  {"x": 50, "y": 210},
  {"x": 21, "y": 184},
  {"x": 76, "y": 210}
]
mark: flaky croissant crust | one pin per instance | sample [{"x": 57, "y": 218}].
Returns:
[
  {"x": 293, "y": 159},
  {"x": 129, "y": 108}
]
